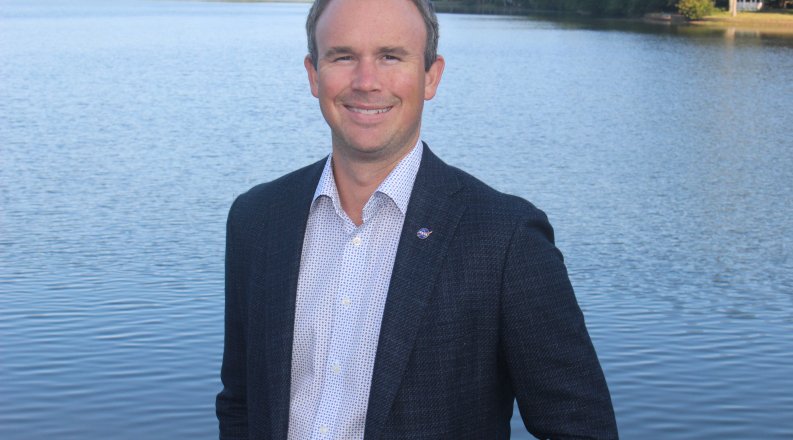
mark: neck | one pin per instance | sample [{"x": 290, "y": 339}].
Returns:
[{"x": 357, "y": 180}]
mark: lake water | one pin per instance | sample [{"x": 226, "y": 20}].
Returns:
[{"x": 663, "y": 156}]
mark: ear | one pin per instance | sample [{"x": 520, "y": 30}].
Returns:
[
  {"x": 433, "y": 77},
  {"x": 313, "y": 77}
]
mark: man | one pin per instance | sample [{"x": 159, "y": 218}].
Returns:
[{"x": 382, "y": 294}]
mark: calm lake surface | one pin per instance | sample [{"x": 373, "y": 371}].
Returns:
[{"x": 663, "y": 156}]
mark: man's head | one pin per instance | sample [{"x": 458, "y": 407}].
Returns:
[
  {"x": 424, "y": 7},
  {"x": 370, "y": 74}
]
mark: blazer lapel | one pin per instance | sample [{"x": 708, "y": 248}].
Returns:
[
  {"x": 416, "y": 268},
  {"x": 283, "y": 245}
]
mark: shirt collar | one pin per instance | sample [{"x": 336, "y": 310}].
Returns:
[{"x": 397, "y": 185}]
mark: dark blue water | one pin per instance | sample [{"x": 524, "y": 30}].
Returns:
[{"x": 663, "y": 157}]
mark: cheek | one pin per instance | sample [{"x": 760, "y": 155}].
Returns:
[
  {"x": 326, "y": 90},
  {"x": 408, "y": 88},
  {"x": 331, "y": 83}
]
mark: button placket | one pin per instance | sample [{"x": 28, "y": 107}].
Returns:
[{"x": 353, "y": 260}]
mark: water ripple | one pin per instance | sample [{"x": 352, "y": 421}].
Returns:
[{"x": 128, "y": 127}]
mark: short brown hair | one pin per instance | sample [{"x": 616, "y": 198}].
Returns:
[{"x": 425, "y": 8}]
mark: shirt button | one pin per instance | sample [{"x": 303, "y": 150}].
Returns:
[
  {"x": 357, "y": 240},
  {"x": 323, "y": 429},
  {"x": 346, "y": 301},
  {"x": 336, "y": 367}
]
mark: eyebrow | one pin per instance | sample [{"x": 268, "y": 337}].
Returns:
[
  {"x": 393, "y": 50},
  {"x": 346, "y": 50},
  {"x": 338, "y": 50}
]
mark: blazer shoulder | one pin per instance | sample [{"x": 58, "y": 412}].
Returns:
[
  {"x": 270, "y": 196},
  {"x": 481, "y": 198},
  {"x": 487, "y": 210}
]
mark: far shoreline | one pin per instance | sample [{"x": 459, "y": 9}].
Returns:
[{"x": 778, "y": 23}]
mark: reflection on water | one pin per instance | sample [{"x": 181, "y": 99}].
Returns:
[{"x": 661, "y": 154}]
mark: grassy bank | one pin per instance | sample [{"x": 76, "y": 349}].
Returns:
[{"x": 779, "y": 21}]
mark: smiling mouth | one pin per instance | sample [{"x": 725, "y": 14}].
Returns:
[{"x": 368, "y": 111}]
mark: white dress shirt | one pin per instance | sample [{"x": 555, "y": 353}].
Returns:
[{"x": 345, "y": 271}]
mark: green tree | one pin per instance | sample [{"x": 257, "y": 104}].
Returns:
[{"x": 695, "y": 9}]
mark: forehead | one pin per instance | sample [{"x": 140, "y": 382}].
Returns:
[{"x": 359, "y": 23}]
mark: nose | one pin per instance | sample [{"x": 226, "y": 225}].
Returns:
[{"x": 365, "y": 76}]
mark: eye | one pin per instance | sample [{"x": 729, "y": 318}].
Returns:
[
  {"x": 391, "y": 58},
  {"x": 342, "y": 58}
]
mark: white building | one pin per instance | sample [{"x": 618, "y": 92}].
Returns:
[{"x": 744, "y": 5}]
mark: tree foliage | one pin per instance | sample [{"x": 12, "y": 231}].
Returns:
[
  {"x": 610, "y": 8},
  {"x": 695, "y": 9},
  {"x": 599, "y": 8}
]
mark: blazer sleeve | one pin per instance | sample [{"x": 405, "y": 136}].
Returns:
[
  {"x": 231, "y": 402},
  {"x": 554, "y": 370}
]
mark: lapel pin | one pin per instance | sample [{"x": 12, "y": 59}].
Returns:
[{"x": 423, "y": 233}]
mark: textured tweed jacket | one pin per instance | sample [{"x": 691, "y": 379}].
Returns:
[{"x": 479, "y": 313}]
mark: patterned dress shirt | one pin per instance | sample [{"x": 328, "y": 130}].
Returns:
[{"x": 345, "y": 271}]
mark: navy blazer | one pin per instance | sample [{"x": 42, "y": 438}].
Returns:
[{"x": 479, "y": 313}]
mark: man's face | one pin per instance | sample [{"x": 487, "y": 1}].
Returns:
[{"x": 370, "y": 77}]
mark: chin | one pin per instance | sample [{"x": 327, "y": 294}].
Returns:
[
  {"x": 368, "y": 150},
  {"x": 363, "y": 146}
]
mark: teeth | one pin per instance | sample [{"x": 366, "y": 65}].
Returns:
[{"x": 375, "y": 111}]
